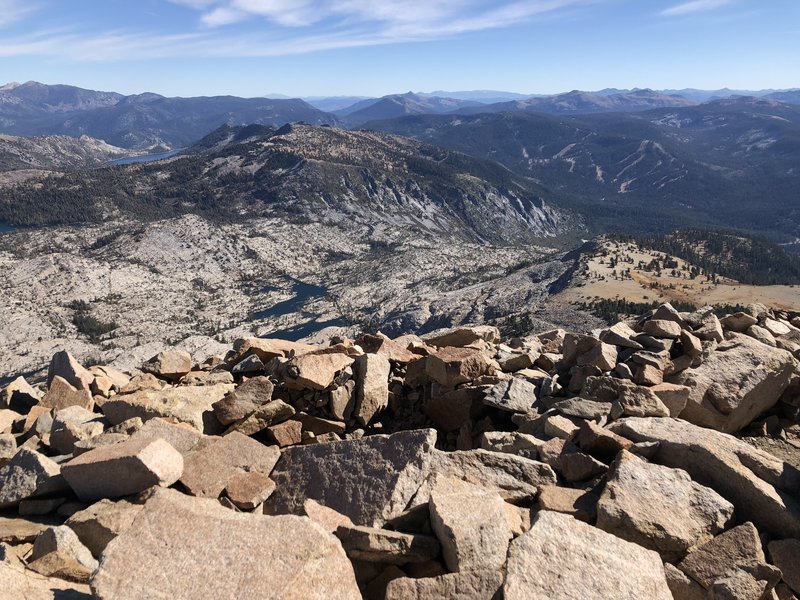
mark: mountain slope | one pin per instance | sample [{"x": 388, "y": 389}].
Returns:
[
  {"x": 587, "y": 102},
  {"x": 139, "y": 121},
  {"x": 729, "y": 163},
  {"x": 55, "y": 152},
  {"x": 398, "y": 105},
  {"x": 313, "y": 174}
]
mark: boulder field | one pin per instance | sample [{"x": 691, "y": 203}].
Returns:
[{"x": 654, "y": 459}]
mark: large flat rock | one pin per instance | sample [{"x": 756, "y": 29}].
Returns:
[
  {"x": 561, "y": 558},
  {"x": 659, "y": 507},
  {"x": 737, "y": 382},
  {"x": 123, "y": 469},
  {"x": 515, "y": 478},
  {"x": 761, "y": 488},
  {"x": 369, "y": 480},
  {"x": 187, "y": 404},
  {"x": 207, "y": 471},
  {"x": 184, "y": 548}
]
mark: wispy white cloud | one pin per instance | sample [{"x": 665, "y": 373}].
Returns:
[
  {"x": 12, "y": 11},
  {"x": 694, "y": 6},
  {"x": 289, "y": 27},
  {"x": 409, "y": 16}
]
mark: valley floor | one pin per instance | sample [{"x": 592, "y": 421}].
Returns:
[{"x": 120, "y": 292}]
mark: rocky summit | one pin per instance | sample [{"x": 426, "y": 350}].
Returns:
[{"x": 657, "y": 458}]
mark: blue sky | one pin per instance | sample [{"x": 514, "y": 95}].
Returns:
[{"x": 376, "y": 47}]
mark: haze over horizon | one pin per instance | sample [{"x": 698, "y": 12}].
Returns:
[{"x": 355, "y": 47}]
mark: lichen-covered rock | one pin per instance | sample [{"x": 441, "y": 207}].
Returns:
[{"x": 369, "y": 480}]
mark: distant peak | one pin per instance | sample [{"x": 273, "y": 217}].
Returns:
[{"x": 10, "y": 86}]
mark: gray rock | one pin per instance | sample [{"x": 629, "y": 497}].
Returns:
[
  {"x": 369, "y": 480},
  {"x": 561, "y": 558},
  {"x": 659, "y": 507},
  {"x": 123, "y": 469},
  {"x": 471, "y": 525},
  {"x": 762, "y": 488},
  {"x": 212, "y": 552},
  {"x": 515, "y": 395},
  {"x": 28, "y": 475}
]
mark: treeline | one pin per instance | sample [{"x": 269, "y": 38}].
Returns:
[{"x": 747, "y": 259}]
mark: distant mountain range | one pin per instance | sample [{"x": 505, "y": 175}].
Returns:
[
  {"x": 153, "y": 121},
  {"x": 586, "y": 102},
  {"x": 399, "y": 105},
  {"x": 138, "y": 121},
  {"x": 637, "y": 161},
  {"x": 731, "y": 162}
]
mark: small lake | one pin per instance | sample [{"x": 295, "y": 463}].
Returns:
[
  {"x": 6, "y": 228},
  {"x": 303, "y": 292},
  {"x": 298, "y": 332},
  {"x": 145, "y": 158}
]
